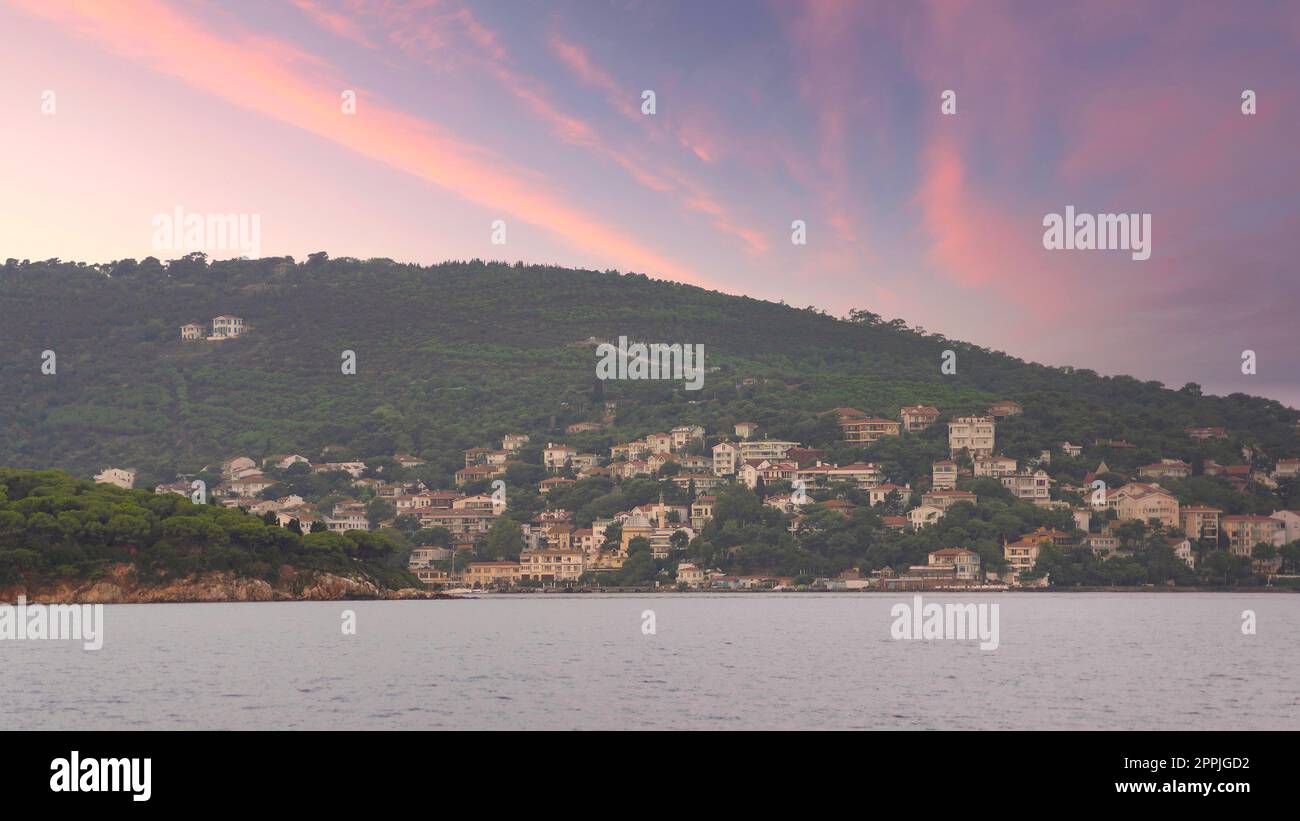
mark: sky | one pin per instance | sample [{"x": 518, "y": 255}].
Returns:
[{"x": 765, "y": 113}]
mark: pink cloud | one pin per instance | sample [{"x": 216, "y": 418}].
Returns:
[{"x": 174, "y": 44}]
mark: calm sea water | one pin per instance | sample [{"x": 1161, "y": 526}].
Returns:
[{"x": 1122, "y": 661}]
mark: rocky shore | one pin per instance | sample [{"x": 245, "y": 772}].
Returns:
[{"x": 121, "y": 585}]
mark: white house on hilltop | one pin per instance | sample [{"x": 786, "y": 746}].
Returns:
[{"x": 122, "y": 477}]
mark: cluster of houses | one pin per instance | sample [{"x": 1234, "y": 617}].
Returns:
[
  {"x": 557, "y": 551},
  {"x": 222, "y": 327}
]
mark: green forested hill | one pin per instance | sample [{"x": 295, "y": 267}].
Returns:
[{"x": 454, "y": 355}]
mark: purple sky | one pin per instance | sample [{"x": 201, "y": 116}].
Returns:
[{"x": 827, "y": 112}]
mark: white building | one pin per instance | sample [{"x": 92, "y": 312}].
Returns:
[
  {"x": 227, "y": 326},
  {"x": 974, "y": 434},
  {"x": 122, "y": 477}
]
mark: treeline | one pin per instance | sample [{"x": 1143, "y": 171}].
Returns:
[{"x": 53, "y": 526}]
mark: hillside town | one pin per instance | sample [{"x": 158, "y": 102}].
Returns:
[{"x": 471, "y": 534}]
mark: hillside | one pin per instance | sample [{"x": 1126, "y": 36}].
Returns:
[{"x": 454, "y": 355}]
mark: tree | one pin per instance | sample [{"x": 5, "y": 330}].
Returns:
[
  {"x": 379, "y": 510},
  {"x": 505, "y": 540}
]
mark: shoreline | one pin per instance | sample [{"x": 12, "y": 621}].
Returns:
[{"x": 409, "y": 594}]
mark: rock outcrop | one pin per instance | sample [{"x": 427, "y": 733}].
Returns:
[{"x": 120, "y": 584}]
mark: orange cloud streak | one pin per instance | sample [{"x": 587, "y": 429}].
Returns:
[{"x": 252, "y": 78}]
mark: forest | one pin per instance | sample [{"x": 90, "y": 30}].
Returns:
[
  {"x": 454, "y": 355},
  {"x": 54, "y": 527}
]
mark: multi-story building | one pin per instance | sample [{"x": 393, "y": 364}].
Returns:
[
  {"x": 995, "y": 466},
  {"x": 918, "y": 417},
  {"x": 973, "y": 434},
  {"x": 1032, "y": 487},
  {"x": 1290, "y": 520},
  {"x": 965, "y": 563},
  {"x": 1021, "y": 555},
  {"x": 943, "y": 475},
  {"x": 552, "y": 564},
  {"x": 491, "y": 574},
  {"x": 682, "y": 436},
  {"x": 192, "y": 330},
  {"x": 1005, "y": 408},
  {"x": 556, "y": 457},
  {"x": 725, "y": 459},
  {"x": 864, "y": 430},
  {"x": 1244, "y": 532},
  {"x": 1199, "y": 521},
  {"x": 865, "y": 475},
  {"x": 765, "y": 449},
  {"x": 226, "y": 325},
  {"x": 514, "y": 442},
  {"x": 1144, "y": 503}
]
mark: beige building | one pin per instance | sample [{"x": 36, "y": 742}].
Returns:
[
  {"x": 121, "y": 477},
  {"x": 965, "y": 563},
  {"x": 943, "y": 475},
  {"x": 192, "y": 330},
  {"x": 974, "y": 434},
  {"x": 227, "y": 326},
  {"x": 1166, "y": 469},
  {"x": 1145, "y": 503},
  {"x": 995, "y": 466},
  {"x": 1033, "y": 487},
  {"x": 690, "y": 575},
  {"x": 1200, "y": 522},
  {"x": 491, "y": 574},
  {"x": 1244, "y": 532},
  {"x": 1022, "y": 555},
  {"x": 556, "y": 457},
  {"x": 918, "y": 417},
  {"x": 924, "y": 516},
  {"x": 864, "y": 430},
  {"x": 552, "y": 564}
]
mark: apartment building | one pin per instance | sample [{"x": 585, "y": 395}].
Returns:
[
  {"x": 1021, "y": 555},
  {"x": 864, "y": 430},
  {"x": 552, "y": 564},
  {"x": 491, "y": 574},
  {"x": 682, "y": 436},
  {"x": 1244, "y": 532},
  {"x": 943, "y": 475},
  {"x": 973, "y": 434},
  {"x": 1199, "y": 521}
]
